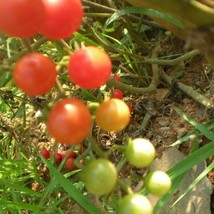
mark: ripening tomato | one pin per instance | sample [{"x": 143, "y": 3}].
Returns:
[
  {"x": 158, "y": 183},
  {"x": 113, "y": 115},
  {"x": 21, "y": 18},
  {"x": 35, "y": 74},
  {"x": 57, "y": 157},
  {"x": 117, "y": 78},
  {"x": 89, "y": 67},
  {"x": 63, "y": 18},
  {"x": 69, "y": 163},
  {"x": 134, "y": 204},
  {"x": 72, "y": 154},
  {"x": 69, "y": 121},
  {"x": 117, "y": 94},
  {"x": 45, "y": 153},
  {"x": 99, "y": 176},
  {"x": 140, "y": 152}
]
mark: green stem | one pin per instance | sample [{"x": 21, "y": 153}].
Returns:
[{"x": 28, "y": 45}]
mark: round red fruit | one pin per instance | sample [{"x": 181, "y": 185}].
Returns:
[
  {"x": 89, "y": 67},
  {"x": 117, "y": 94},
  {"x": 69, "y": 163},
  {"x": 35, "y": 74},
  {"x": 72, "y": 154},
  {"x": 63, "y": 18},
  {"x": 45, "y": 153},
  {"x": 69, "y": 121},
  {"x": 57, "y": 157},
  {"x": 117, "y": 78},
  {"x": 21, "y": 18}
]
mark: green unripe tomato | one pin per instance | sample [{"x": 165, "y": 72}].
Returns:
[
  {"x": 99, "y": 176},
  {"x": 134, "y": 204},
  {"x": 158, "y": 183},
  {"x": 140, "y": 152}
]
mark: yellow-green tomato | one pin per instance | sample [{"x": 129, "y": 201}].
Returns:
[
  {"x": 158, "y": 183},
  {"x": 140, "y": 152},
  {"x": 99, "y": 176},
  {"x": 134, "y": 204}
]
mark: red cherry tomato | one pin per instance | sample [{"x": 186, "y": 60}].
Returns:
[
  {"x": 117, "y": 78},
  {"x": 89, "y": 67},
  {"x": 69, "y": 121},
  {"x": 63, "y": 18},
  {"x": 69, "y": 163},
  {"x": 45, "y": 153},
  {"x": 21, "y": 18},
  {"x": 35, "y": 74},
  {"x": 72, "y": 154},
  {"x": 117, "y": 94},
  {"x": 57, "y": 157}
]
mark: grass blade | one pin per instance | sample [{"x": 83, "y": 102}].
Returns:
[
  {"x": 143, "y": 11},
  {"x": 71, "y": 190},
  {"x": 205, "y": 131}
]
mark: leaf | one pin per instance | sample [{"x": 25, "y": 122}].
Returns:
[
  {"x": 71, "y": 190},
  {"x": 205, "y": 131},
  {"x": 193, "y": 134},
  {"x": 143, "y": 11}
]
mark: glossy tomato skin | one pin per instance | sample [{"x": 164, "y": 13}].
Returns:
[
  {"x": 63, "y": 18},
  {"x": 117, "y": 94},
  {"x": 69, "y": 163},
  {"x": 113, "y": 115},
  {"x": 134, "y": 204},
  {"x": 21, "y": 18},
  {"x": 99, "y": 176},
  {"x": 158, "y": 183},
  {"x": 69, "y": 121},
  {"x": 89, "y": 67},
  {"x": 140, "y": 152},
  {"x": 45, "y": 153},
  {"x": 72, "y": 154},
  {"x": 35, "y": 74}
]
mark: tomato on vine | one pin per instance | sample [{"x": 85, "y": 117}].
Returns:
[
  {"x": 134, "y": 204},
  {"x": 140, "y": 152},
  {"x": 35, "y": 74},
  {"x": 21, "y": 18},
  {"x": 89, "y": 67},
  {"x": 69, "y": 121},
  {"x": 117, "y": 94},
  {"x": 113, "y": 115},
  {"x": 99, "y": 176},
  {"x": 63, "y": 18},
  {"x": 158, "y": 183}
]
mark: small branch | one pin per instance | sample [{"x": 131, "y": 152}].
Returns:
[{"x": 189, "y": 91}]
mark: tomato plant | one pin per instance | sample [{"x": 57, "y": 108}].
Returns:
[
  {"x": 69, "y": 163},
  {"x": 117, "y": 94},
  {"x": 99, "y": 176},
  {"x": 158, "y": 183},
  {"x": 134, "y": 204},
  {"x": 21, "y": 18},
  {"x": 140, "y": 152},
  {"x": 69, "y": 121},
  {"x": 35, "y": 74},
  {"x": 113, "y": 115},
  {"x": 63, "y": 18},
  {"x": 89, "y": 67}
]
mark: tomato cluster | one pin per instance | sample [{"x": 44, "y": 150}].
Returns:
[
  {"x": 58, "y": 157},
  {"x": 69, "y": 120},
  {"x": 56, "y": 19}
]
